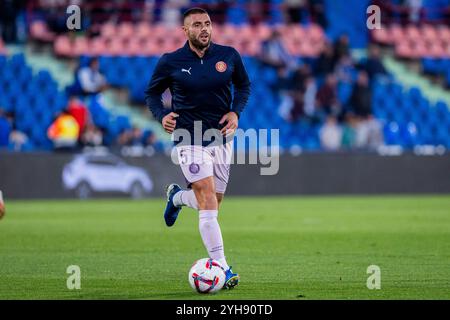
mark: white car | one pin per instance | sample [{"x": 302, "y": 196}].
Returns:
[{"x": 88, "y": 173}]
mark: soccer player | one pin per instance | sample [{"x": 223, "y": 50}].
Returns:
[
  {"x": 200, "y": 76},
  {"x": 2, "y": 205}
]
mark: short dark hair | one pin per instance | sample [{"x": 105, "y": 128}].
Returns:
[{"x": 194, "y": 10}]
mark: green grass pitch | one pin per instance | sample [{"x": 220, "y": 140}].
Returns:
[{"x": 283, "y": 248}]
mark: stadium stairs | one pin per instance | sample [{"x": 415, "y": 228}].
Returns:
[{"x": 409, "y": 79}]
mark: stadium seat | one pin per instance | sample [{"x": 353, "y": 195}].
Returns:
[
  {"x": 80, "y": 47},
  {"x": 412, "y": 33},
  {"x": 429, "y": 33},
  {"x": 143, "y": 30},
  {"x": 382, "y": 35},
  {"x": 39, "y": 31},
  {"x": 62, "y": 46},
  {"x": 2, "y": 48},
  {"x": 5, "y": 130},
  {"x": 108, "y": 30},
  {"x": 125, "y": 30},
  {"x": 397, "y": 33},
  {"x": 97, "y": 47}
]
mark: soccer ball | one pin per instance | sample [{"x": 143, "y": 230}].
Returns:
[{"x": 207, "y": 276}]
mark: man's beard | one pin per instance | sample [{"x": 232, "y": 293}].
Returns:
[{"x": 199, "y": 45}]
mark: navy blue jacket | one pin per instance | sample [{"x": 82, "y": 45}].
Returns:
[{"x": 201, "y": 88}]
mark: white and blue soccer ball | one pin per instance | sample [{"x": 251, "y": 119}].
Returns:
[{"x": 207, "y": 276}]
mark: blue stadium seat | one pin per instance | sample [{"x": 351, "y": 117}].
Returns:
[
  {"x": 344, "y": 91},
  {"x": 391, "y": 132},
  {"x": 236, "y": 15},
  {"x": 395, "y": 90},
  {"x": 415, "y": 94},
  {"x": 429, "y": 65},
  {"x": 123, "y": 123},
  {"x": 5, "y": 130},
  {"x": 448, "y": 78},
  {"x": 84, "y": 61},
  {"x": 408, "y": 134},
  {"x": 17, "y": 62},
  {"x": 2, "y": 61},
  {"x": 25, "y": 122}
]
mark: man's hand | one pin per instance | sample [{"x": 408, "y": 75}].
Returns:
[
  {"x": 169, "y": 123},
  {"x": 231, "y": 119}
]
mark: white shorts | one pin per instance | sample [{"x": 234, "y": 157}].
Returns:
[{"x": 198, "y": 162}]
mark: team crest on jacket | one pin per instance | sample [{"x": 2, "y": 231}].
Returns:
[{"x": 221, "y": 66}]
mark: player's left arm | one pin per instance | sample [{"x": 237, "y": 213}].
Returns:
[{"x": 241, "y": 83}]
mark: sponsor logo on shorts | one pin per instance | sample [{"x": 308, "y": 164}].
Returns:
[{"x": 194, "y": 168}]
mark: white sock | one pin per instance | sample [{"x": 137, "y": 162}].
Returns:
[
  {"x": 185, "y": 198},
  {"x": 212, "y": 236}
]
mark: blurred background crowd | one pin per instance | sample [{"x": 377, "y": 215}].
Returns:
[{"x": 318, "y": 73}]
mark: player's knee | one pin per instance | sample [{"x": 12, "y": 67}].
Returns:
[
  {"x": 205, "y": 186},
  {"x": 207, "y": 200},
  {"x": 205, "y": 194},
  {"x": 219, "y": 197}
]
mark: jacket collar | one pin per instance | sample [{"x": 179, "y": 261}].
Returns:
[{"x": 208, "y": 51}]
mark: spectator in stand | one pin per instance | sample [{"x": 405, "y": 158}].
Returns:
[
  {"x": 373, "y": 64},
  {"x": 299, "y": 77},
  {"x": 274, "y": 54},
  {"x": 294, "y": 98},
  {"x": 10, "y": 136},
  {"x": 298, "y": 104},
  {"x": 341, "y": 48},
  {"x": 78, "y": 110},
  {"x": 9, "y": 10},
  {"x": 309, "y": 107},
  {"x": 361, "y": 98},
  {"x": 217, "y": 9},
  {"x": 131, "y": 137},
  {"x": 56, "y": 21},
  {"x": 317, "y": 9},
  {"x": 414, "y": 8},
  {"x": 349, "y": 131},
  {"x": 284, "y": 88},
  {"x": 172, "y": 12},
  {"x": 91, "y": 79},
  {"x": 345, "y": 69},
  {"x": 327, "y": 101},
  {"x": 100, "y": 12},
  {"x": 330, "y": 134},
  {"x": 295, "y": 10},
  {"x": 136, "y": 137},
  {"x": 325, "y": 63},
  {"x": 18, "y": 140},
  {"x": 150, "y": 140},
  {"x": 124, "y": 138},
  {"x": 91, "y": 136},
  {"x": 64, "y": 132},
  {"x": 368, "y": 129}
]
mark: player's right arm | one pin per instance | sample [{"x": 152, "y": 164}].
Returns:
[{"x": 159, "y": 82}]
